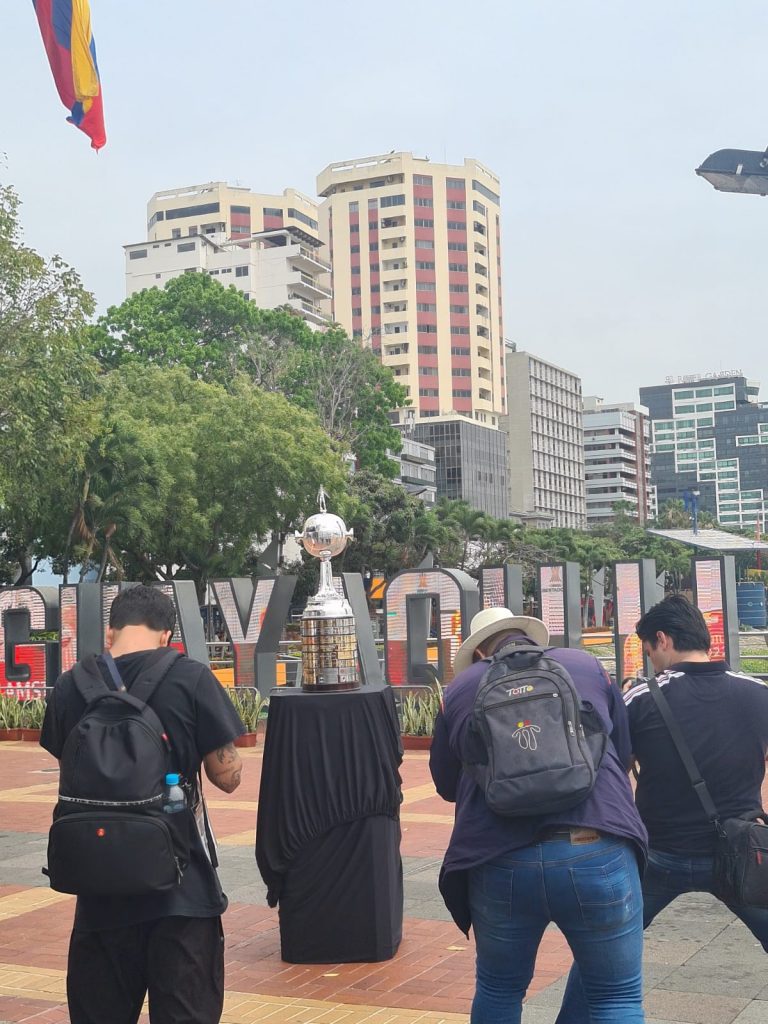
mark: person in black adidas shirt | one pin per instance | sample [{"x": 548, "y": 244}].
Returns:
[
  {"x": 723, "y": 716},
  {"x": 170, "y": 943}
]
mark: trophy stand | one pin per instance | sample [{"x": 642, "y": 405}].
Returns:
[{"x": 328, "y": 638}]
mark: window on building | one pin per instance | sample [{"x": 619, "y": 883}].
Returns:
[
  {"x": 354, "y": 248},
  {"x": 421, "y": 222},
  {"x": 272, "y": 211},
  {"x": 354, "y": 207},
  {"x": 457, "y": 225},
  {"x": 427, "y": 350},
  {"x": 458, "y": 287},
  {"x": 422, "y": 179},
  {"x": 456, "y": 184},
  {"x": 457, "y": 350},
  {"x": 425, "y": 243},
  {"x": 303, "y": 218},
  {"x": 357, "y": 311},
  {"x": 461, "y": 372},
  {"x": 426, "y": 307},
  {"x": 428, "y": 371},
  {"x": 421, "y": 201},
  {"x": 459, "y": 330},
  {"x": 456, "y": 204},
  {"x": 428, "y": 392},
  {"x": 138, "y": 254},
  {"x": 192, "y": 211},
  {"x": 457, "y": 246},
  {"x": 186, "y": 247},
  {"x": 175, "y": 232},
  {"x": 425, "y": 286},
  {"x": 241, "y": 271},
  {"x": 427, "y": 329},
  {"x": 461, "y": 393},
  {"x": 479, "y": 187},
  {"x": 391, "y": 200},
  {"x": 373, "y": 247},
  {"x": 354, "y": 229},
  {"x": 459, "y": 309},
  {"x": 373, "y": 225},
  {"x": 374, "y": 268},
  {"x": 424, "y": 265},
  {"x": 460, "y": 268}
]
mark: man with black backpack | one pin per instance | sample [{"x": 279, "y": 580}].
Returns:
[
  {"x": 131, "y": 729},
  {"x": 532, "y": 746}
]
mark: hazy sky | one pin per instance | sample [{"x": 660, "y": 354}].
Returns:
[{"x": 619, "y": 263}]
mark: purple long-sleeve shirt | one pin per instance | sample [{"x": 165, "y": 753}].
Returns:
[{"x": 478, "y": 834}]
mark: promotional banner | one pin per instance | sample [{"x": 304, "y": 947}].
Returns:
[{"x": 635, "y": 591}]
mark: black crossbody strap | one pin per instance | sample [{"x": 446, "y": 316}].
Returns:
[
  {"x": 208, "y": 833},
  {"x": 109, "y": 661},
  {"x": 684, "y": 751}
]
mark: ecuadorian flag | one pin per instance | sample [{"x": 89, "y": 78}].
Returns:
[{"x": 66, "y": 29}]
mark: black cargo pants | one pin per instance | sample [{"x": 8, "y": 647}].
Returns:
[{"x": 179, "y": 961}]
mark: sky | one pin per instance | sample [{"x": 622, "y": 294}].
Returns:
[{"x": 619, "y": 263}]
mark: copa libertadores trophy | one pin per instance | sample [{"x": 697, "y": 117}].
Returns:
[{"x": 328, "y": 640}]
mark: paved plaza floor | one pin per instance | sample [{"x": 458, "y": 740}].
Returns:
[{"x": 702, "y": 966}]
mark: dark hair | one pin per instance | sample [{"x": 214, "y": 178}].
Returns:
[
  {"x": 143, "y": 606},
  {"x": 680, "y": 620}
]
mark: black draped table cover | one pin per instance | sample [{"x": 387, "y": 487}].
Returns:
[{"x": 328, "y": 824}]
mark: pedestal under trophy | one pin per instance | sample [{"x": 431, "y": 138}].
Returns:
[{"x": 328, "y": 639}]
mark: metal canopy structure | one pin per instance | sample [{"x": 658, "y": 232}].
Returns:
[{"x": 712, "y": 540}]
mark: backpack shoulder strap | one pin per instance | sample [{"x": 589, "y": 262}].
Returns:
[
  {"x": 149, "y": 680},
  {"x": 88, "y": 679}
]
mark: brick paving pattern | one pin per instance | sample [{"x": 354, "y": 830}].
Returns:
[{"x": 702, "y": 966}]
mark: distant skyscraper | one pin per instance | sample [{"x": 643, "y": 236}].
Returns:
[
  {"x": 416, "y": 254},
  {"x": 710, "y": 434},
  {"x": 546, "y": 443},
  {"x": 617, "y": 460}
]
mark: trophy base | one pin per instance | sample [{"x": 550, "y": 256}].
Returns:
[{"x": 329, "y": 687}]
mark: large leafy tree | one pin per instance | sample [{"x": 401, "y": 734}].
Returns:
[
  {"x": 238, "y": 462},
  {"x": 217, "y": 334},
  {"x": 49, "y": 406}
]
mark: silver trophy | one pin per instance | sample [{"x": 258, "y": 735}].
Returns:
[{"x": 328, "y": 639}]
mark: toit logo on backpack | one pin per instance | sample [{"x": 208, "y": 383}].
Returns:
[
  {"x": 517, "y": 691},
  {"x": 525, "y": 734}
]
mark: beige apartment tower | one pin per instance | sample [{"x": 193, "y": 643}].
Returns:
[
  {"x": 217, "y": 208},
  {"x": 415, "y": 250}
]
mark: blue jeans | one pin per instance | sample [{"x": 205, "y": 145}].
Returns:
[
  {"x": 667, "y": 876},
  {"x": 592, "y": 892}
]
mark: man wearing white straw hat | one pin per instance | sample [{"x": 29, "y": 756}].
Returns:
[{"x": 509, "y": 877}]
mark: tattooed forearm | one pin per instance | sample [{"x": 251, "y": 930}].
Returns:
[
  {"x": 224, "y": 768},
  {"x": 226, "y": 755}
]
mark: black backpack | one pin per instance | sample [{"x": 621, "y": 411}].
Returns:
[
  {"x": 533, "y": 746},
  {"x": 110, "y": 836}
]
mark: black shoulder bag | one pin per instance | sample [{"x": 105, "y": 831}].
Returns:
[{"x": 740, "y": 874}]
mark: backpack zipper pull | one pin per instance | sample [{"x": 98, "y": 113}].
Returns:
[{"x": 571, "y": 730}]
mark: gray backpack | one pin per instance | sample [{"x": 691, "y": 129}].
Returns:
[{"x": 533, "y": 745}]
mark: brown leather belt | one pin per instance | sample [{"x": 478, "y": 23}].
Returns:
[{"x": 575, "y": 834}]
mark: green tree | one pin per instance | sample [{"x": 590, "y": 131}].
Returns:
[
  {"x": 48, "y": 402},
  {"x": 467, "y": 522},
  {"x": 240, "y": 463},
  {"x": 217, "y": 334}
]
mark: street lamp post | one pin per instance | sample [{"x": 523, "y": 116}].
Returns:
[
  {"x": 737, "y": 170},
  {"x": 691, "y": 504}
]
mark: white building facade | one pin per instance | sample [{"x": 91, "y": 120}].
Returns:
[
  {"x": 273, "y": 268},
  {"x": 617, "y": 460},
  {"x": 545, "y": 442}
]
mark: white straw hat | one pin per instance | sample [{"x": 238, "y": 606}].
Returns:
[{"x": 490, "y": 621}]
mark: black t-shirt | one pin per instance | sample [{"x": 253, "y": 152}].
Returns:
[
  {"x": 724, "y": 718},
  {"x": 199, "y": 718}
]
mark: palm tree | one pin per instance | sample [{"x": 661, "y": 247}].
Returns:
[{"x": 467, "y": 521}]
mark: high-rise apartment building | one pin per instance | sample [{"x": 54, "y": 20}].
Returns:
[
  {"x": 415, "y": 249},
  {"x": 710, "y": 434},
  {"x": 230, "y": 210},
  {"x": 617, "y": 460},
  {"x": 266, "y": 246},
  {"x": 545, "y": 441}
]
